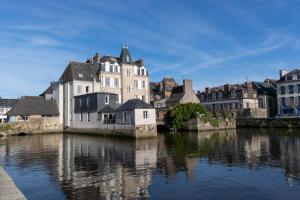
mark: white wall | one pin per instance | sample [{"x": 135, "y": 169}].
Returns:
[{"x": 138, "y": 115}]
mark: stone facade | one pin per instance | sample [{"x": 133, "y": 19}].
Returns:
[
  {"x": 33, "y": 126},
  {"x": 196, "y": 124},
  {"x": 288, "y": 122}
]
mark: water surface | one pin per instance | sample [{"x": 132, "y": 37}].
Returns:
[{"x": 242, "y": 164}]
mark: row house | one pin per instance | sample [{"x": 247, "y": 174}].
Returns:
[
  {"x": 5, "y": 106},
  {"x": 241, "y": 99},
  {"x": 121, "y": 75},
  {"x": 288, "y": 93}
]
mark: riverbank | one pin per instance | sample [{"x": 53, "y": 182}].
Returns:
[
  {"x": 8, "y": 189},
  {"x": 291, "y": 122}
]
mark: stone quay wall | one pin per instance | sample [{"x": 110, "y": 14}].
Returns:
[
  {"x": 140, "y": 131},
  {"x": 293, "y": 122},
  {"x": 196, "y": 124},
  {"x": 33, "y": 126}
]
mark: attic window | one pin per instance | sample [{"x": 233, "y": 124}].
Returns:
[
  {"x": 127, "y": 59},
  {"x": 80, "y": 75}
]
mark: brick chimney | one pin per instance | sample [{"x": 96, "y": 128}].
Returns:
[{"x": 96, "y": 58}]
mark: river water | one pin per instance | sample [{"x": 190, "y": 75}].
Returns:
[{"x": 242, "y": 164}]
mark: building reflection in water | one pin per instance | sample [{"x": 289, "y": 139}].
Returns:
[
  {"x": 93, "y": 167},
  {"x": 107, "y": 168}
]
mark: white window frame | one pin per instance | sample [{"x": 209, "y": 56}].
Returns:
[{"x": 145, "y": 115}]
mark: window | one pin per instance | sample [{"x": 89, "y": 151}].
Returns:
[
  {"x": 25, "y": 117},
  {"x": 111, "y": 68},
  {"x": 138, "y": 71},
  {"x": 88, "y": 117},
  {"x": 81, "y": 117},
  {"x": 124, "y": 117},
  {"x": 291, "y": 89},
  {"x": 143, "y": 97},
  {"x": 143, "y": 72},
  {"x": 145, "y": 114},
  {"x": 298, "y": 88},
  {"x": 128, "y": 72},
  {"x": 106, "y": 99},
  {"x": 289, "y": 78},
  {"x": 135, "y": 84},
  {"x": 298, "y": 76},
  {"x": 116, "y": 82},
  {"x": 283, "y": 103},
  {"x": 282, "y": 90},
  {"x": 107, "y": 81},
  {"x": 143, "y": 84},
  {"x": 99, "y": 116},
  {"x": 79, "y": 89},
  {"x": 128, "y": 88},
  {"x": 116, "y": 68},
  {"x": 236, "y": 105},
  {"x": 292, "y": 102},
  {"x": 87, "y": 89}
]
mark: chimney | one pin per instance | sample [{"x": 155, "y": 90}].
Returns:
[
  {"x": 282, "y": 73},
  {"x": 96, "y": 58},
  {"x": 187, "y": 86},
  {"x": 207, "y": 90}
]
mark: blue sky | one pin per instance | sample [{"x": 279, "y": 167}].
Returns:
[{"x": 210, "y": 42}]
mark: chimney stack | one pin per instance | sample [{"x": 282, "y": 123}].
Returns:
[
  {"x": 187, "y": 86},
  {"x": 96, "y": 58},
  {"x": 282, "y": 73}
]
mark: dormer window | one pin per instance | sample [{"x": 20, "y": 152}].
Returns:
[
  {"x": 127, "y": 58},
  {"x": 289, "y": 78}
]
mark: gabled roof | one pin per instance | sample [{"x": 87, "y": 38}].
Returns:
[
  {"x": 134, "y": 104},
  {"x": 49, "y": 90},
  {"x": 295, "y": 71},
  {"x": 264, "y": 88},
  {"x": 8, "y": 103},
  {"x": 125, "y": 56},
  {"x": 79, "y": 71},
  {"x": 110, "y": 59},
  {"x": 32, "y": 105}
]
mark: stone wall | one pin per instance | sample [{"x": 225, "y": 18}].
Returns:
[
  {"x": 196, "y": 124},
  {"x": 269, "y": 122},
  {"x": 33, "y": 126},
  {"x": 141, "y": 131}
]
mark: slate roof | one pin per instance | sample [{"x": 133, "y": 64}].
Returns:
[
  {"x": 264, "y": 88},
  {"x": 124, "y": 55},
  {"x": 49, "y": 90},
  {"x": 108, "y": 109},
  {"x": 32, "y": 105},
  {"x": 295, "y": 71},
  {"x": 134, "y": 104},
  {"x": 8, "y": 103},
  {"x": 79, "y": 71}
]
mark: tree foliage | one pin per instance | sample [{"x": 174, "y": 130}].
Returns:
[{"x": 181, "y": 113}]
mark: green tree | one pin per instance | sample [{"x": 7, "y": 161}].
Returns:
[{"x": 181, "y": 113}]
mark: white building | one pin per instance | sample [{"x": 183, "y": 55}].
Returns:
[
  {"x": 5, "y": 106},
  {"x": 122, "y": 76},
  {"x": 288, "y": 93}
]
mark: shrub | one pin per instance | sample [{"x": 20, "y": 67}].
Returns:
[{"x": 181, "y": 113}]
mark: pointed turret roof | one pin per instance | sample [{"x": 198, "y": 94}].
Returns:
[{"x": 125, "y": 56}]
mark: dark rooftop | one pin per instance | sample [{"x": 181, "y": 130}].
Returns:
[
  {"x": 134, "y": 104},
  {"x": 33, "y": 105},
  {"x": 8, "y": 103}
]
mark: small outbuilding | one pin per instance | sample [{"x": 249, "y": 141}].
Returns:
[
  {"x": 32, "y": 107},
  {"x": 138, "y": 117}
]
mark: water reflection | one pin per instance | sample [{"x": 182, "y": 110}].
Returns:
[{"x": 63, "y": 166}]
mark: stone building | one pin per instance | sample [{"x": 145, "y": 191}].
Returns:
[
  {"x": 121, "y": 75},
  {"x": 240, "y": 99},
  {"x": 5, "y": 106},
  {"x": 288, "y": 93},
  {"x": 101, "y": 113},
  {"x": 32, "y": 107},
  {"x": 162, "y": 90},
  {"x": 182, "y": 94}
]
